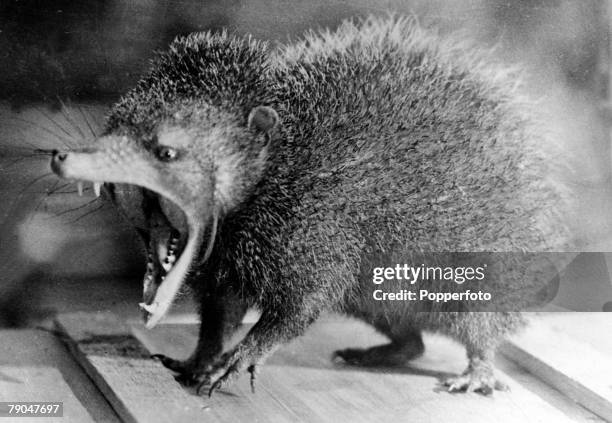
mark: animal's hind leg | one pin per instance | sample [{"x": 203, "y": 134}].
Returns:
[
  {"x": 481, "y": 333},
  {"x": 406, "y": 344}
]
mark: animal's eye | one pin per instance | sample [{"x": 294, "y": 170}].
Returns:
[{"x": 166, "y": 154}]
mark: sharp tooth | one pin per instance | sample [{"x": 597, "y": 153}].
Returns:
[
  {"x": 80, "y": 188},
  {"x": 150, "y": 308},
  {"x": 168, "y": 262},
  {"x": 96, "y": 188}
]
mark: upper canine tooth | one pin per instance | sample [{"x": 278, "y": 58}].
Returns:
[
  {"x": 80, "y": 187},
  {"x": 96, "y": 188}
]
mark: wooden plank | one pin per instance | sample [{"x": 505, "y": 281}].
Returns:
[
  {"x": 138, "y": 388},
  {"x": 590, "y": 328},
  {"x": 571, "y": 364},
  {"x": 35, "y": 366},
  {"x": 300, "y": 383}
]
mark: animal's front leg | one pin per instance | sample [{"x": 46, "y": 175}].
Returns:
[
  {"x": 273, "y": 329},
  {"x": 220, "y": 316}
]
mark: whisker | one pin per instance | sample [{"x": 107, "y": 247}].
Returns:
[
  {"x": 82, "y": 206},
  {"x": 43, "y": 151},
  {"x": 16, "y": 150},
  {"x": 54, "y": 122},
  {"x": 93, "y": 133},
  {"x": 35, "y": 124},
  {"x": 70, "y": 119},
  {"x": 43, "y": 198},
  {"x": 50, "y": 191},
  {"x": 89, "y": 212},
  {"x": 24, "y": 138},
  {"x": 28, "y": 143},
  {"x": 47, "y": 130},
  {"x": 14, "y": 162},
  {"x": 54, "y": 190},
  {"x": 22, "y": 192},
  {"x": 38, "y": 178},
  {"x": 84, "y": 190}
]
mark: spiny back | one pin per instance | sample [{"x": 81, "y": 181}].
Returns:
[
  {"x": 389, "y": 75},
  {"x": 431, "y": 142}
]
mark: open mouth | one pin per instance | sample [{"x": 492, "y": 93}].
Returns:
[
  {"x": 177, "y": 226},
  {"x": 174, "y": 243},
  {"x": 175, "y": 240},
  {"x": 167, "y": 237}
]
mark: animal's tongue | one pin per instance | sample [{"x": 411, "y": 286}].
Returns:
[{"x": 158, "y": 297}]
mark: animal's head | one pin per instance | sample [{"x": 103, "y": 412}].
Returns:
[{"x": 181, "y": 150}]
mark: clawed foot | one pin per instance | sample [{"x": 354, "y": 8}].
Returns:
[
  {"x": 222, "y": 372},
  {"x": 478, "y": 379},
  {"x": 187, "y": 373},
  {"x": 226, "y": 370}
]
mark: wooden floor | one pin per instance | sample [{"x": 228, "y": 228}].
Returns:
[
  {"x": 298, "y": 384},
  {"x": 35, "y": 366}
]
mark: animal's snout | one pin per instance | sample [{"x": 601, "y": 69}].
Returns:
[{"x": 57, "y": 160}]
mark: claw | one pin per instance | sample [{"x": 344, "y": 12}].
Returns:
[
  {"x": 501, "y": 386},
  {"x": 215, "y": 386},
  {"x": 176, "y": 366},
  {"x": 232, "y": 370},
  {"x": 201, "y": 384},
  {"x": 199, "y": 388},
  {"x": 452, "y": 387},
  {"x": 167, "y": 362},
  {"x": 253, "y": 371},
  {"x": 468, "y": 385},
  {"x": 471, "y": 387}
]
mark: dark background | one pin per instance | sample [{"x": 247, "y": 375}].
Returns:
[
  {"x": 62, "y": 63},
  {"x": 94, "y": 50}
]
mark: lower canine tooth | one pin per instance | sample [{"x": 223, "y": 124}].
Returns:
[
  {"x": 96, "y": 188},
  {"x": 150, "y": 308}
]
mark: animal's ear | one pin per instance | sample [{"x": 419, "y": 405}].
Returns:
[{"x": 263, "y": 118}]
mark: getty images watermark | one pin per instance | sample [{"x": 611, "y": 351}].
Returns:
[{"x": 407, "y": 275}]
